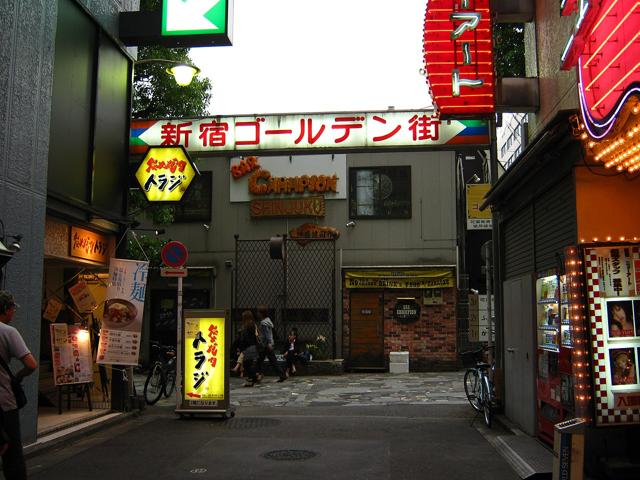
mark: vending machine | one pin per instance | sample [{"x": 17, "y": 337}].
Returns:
[{"x": 554, "y": 376}]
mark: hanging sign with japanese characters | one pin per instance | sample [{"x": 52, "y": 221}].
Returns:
[
  {"x": 123, "y": 310},
  {"x": 88, "y": 245},
  {"x": 71, "y": 354},
  {"x": 205, "y": 377},
  {"x": 339, "y": 131},
  {"x": 165, "y": 174},
  {"x": 458, "y": 56}
]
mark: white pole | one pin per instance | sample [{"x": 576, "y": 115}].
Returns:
[{"x": 179, "y": 348}]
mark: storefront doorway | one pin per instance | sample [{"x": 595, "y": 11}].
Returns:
[{"x": 367, "y": 330}]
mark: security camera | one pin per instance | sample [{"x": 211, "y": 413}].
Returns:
[{"x": 474, "y": 179}]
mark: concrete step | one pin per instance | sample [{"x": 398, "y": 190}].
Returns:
[{"x": 527, "y": 456}]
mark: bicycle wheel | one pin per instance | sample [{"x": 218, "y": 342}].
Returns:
[
  {"x": 486, "y": 402},
  {"x": 170, "y": 382},
  {"x": 154, "y": 384},
  {"x": 472, "y": 388}
]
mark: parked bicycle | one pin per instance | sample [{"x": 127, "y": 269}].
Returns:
[
  {"x": 162, "y": 375},
  {"x": 478, "y": 383}
]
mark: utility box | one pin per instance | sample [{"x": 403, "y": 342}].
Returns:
[
  {"x": 568, "y": 450},
  {"x": 398, "y": 362}
]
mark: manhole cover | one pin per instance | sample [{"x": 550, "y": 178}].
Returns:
[{"x": 289, "y": 455}]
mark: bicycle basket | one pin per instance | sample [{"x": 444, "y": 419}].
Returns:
[{"x": 470, "y": 358}]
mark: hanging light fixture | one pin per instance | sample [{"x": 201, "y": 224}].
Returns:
[{"x": 182, "y": 72}]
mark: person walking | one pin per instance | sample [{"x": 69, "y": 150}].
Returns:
[
  {"x": 248, "y": 346},
  {"x": 12, "y": 346},
  {"x": 266, "y": 335}
]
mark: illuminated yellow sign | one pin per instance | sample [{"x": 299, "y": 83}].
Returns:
[
  {"x": 204, "y": 360},
  {"x": 165, "y": 174}
]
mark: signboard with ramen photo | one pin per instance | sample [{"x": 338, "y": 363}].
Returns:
[{"x": 122, "y": 315}]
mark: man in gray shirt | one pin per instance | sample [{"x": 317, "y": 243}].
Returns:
[{"x": 12, "y": 346}]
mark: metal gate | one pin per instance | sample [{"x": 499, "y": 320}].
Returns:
[{"x": 299, "y": 290}]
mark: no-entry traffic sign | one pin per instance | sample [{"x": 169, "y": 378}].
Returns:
[{"x": 174, "y": 254}]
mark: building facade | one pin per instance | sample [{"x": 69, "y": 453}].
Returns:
[
  {"x": 560, "y": 226},
  {"x": 387, "y": 240},
  {"x": 64, "y": 107}
]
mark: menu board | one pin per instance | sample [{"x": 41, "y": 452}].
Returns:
[
  {"x": 123, "y": 308},
  {"x": 612, "y": 274},
  {"x": 71, "y": 352}
]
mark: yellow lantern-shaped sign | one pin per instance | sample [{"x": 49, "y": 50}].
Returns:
[{"x": 165, "y": 173}]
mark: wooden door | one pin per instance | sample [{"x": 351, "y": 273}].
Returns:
[{"x": 367, "y": 332}]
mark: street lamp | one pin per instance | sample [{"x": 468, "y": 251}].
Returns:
[{"x": 182, "y": 72}]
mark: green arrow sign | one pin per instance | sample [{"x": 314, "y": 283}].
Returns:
[{"x": 194, "y": 17}]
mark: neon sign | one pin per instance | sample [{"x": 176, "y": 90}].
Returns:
[
  {"x": 458, "y": 56},
  {"x": 605, "y": 46}
]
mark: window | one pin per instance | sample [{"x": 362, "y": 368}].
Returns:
[
  {"x": 196, "y": 204},
  {"x": 380, "y": 192}
]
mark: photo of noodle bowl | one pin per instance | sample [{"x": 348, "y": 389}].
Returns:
[{"x": 118, "y": 313}]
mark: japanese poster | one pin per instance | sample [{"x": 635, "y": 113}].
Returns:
[
  {"x": 615, "y": 268},
  {"x": 82, "y": 297},
  {"x": 614, "y": 308},
  {"x": 71, "y": 352},
  {"x": 52, "y": 309},
  {"x": 204, "y": 361},
  {"x": 476, "y": 219},
  {"x": 123, "y": 309}
]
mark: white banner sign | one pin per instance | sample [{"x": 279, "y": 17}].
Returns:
[
  {"x": 291, "y": 166},
  {"x": 309, "y": 131},
  {"x": 123, "y": 309}
]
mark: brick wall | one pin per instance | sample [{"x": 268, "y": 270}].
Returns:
[{"x": 430, "y": 341}]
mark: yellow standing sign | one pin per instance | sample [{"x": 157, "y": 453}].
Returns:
[{"x": 205, "y": 374}]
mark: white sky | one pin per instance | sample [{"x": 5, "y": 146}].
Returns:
[{"x": 318, "y": 56}]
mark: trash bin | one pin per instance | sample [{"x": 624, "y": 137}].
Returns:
[{"x": 568, "y": 450}]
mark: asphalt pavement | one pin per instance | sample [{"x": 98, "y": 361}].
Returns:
[{"x": 353, "y": 426}]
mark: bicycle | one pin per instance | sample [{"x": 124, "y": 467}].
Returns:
[
  {"x": 478, "y": 385},
  {"x": 162, "y": 375}
]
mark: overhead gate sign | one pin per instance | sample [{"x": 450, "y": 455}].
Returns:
[{"x": 334, "y": 131}]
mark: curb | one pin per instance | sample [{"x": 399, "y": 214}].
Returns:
[{"x": 50, "y": 441}]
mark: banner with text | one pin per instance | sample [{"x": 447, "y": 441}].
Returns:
[
  {"x": 433, "y": 278},
  {"x": 335, "y": 131},
  {"x": 123, "y": 309}
]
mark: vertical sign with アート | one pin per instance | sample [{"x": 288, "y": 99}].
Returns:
[{"x": 202, "y": 361}]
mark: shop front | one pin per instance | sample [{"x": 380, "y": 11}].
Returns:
[
  {"x": 399, "y": 309},
  {"x": 570, "y": 270},
  {"x": 72, "y": 386}
]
